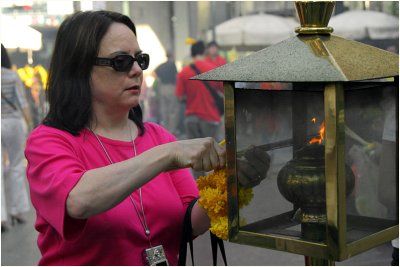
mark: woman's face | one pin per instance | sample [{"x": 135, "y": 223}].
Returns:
[{"x": 112, "y": 89}]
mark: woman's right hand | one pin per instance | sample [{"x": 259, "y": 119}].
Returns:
[{"x": 201, "y": 154}]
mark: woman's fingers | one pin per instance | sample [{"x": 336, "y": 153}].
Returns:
[
  {"x": 220, "y": 150},
  {"x": 213, "y": 156},
  {"x": 202, "y": 154},
  {"x": 207, "y": 158},
  {"x": 217, "y": 156}
]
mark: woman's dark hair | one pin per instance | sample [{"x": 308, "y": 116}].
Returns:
[
  {"x": 77, "y": 45},
  {"x": 5, "y": 59}
]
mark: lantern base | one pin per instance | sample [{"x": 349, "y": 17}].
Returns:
[
  {"x": 313, "y": 232},
  {"x": 313, "y": 223},
  {"x": 312, "y": 261}
]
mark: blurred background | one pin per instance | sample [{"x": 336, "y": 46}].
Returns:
[
  {"x": 172, "y": 22},
  {"x": 29, "y": 27}
]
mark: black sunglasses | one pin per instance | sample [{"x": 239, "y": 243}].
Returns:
[{"x": 124, "y": 63}]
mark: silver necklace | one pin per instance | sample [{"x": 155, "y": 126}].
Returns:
[{"x": 141, "y": 219}]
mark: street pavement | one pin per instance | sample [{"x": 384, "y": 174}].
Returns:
[{"x": 18, "y": 248}]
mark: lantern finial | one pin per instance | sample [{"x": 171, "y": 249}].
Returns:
[{"x": 314, "y": 16}]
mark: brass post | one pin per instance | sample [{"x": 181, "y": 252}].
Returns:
[{"x": 314, "y": 16}]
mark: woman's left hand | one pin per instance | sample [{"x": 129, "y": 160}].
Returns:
[{"x": 253, "y": 168}]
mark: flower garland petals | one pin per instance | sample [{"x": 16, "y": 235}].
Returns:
[
  {"x": 214, "y": 199},
  {"x": 219, "y": 227}
]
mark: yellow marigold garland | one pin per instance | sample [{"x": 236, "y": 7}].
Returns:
[{"x": 214, "y": 199}]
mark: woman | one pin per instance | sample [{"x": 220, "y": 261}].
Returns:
[
  {"x": 14, "y": 112},
  {"x": 106, "y": 186}
]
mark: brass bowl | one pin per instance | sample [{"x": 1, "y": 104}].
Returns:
[{"x": 302, "y": 182}]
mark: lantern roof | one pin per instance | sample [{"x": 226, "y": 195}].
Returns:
[{"x": 314, "y": 55}]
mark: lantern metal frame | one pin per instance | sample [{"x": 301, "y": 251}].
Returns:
[
  {"x": 314, "y": 56},
  {"x": 336, "y": 247}
]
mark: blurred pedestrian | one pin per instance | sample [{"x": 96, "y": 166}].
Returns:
[
  {"x": 27, "y": 75},
  {"x": 213, "y": 56},
  {"x": 14, "y": 119},
  {"x": 202, "y": 118},
  {"x": 39, "y": 81},
  {"x": 168, "y": 102}
]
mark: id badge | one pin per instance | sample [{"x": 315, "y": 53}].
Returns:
[{"x": 155, "y": 256}]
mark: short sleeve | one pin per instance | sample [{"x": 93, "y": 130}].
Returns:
[
  {"x": 53, "y": 170},
  {"x": 185, "y": 185}
]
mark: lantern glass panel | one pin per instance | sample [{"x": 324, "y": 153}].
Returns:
[
  {"x": 371, "y": 150},
  {"x": 285, "y": 121}
]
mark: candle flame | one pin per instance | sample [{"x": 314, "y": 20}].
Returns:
[{"x": 319, "y": 139}]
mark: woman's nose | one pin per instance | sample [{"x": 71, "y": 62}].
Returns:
[{"x": 135, "y": 69}]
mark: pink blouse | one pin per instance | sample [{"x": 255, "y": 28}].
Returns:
[{"x": 56, "y": 162}]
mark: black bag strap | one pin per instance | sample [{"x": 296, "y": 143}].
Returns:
[
  {"x": 187, "y": 235},
  {"x": 214, "y": 242},
  {"x": 8, "y": 101},
  {"x": 188, "y": 238},
  {"x": 212, "y": 91}
]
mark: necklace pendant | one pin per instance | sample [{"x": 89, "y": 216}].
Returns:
[{"x": 147, "y": 232}]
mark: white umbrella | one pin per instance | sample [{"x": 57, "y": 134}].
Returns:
[
  {"x": 151, "y": 44},
  {"x": 260, "y": 29},
  {"x": 17, "y": 35},
  {"x": 360, "y": 24}
]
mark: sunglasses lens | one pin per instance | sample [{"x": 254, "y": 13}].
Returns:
[
  {"x": 123, "y": 62},
  {"x": 143, "y": 60}
]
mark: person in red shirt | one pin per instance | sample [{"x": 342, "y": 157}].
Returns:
[
  {"x": 202, "y": 118},
  {"x": 212, "y": 55},
  {"x": 201, "y": 115}
]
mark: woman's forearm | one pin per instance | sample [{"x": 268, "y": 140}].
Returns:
[
  {"x": 101, "y": 189},
  {"x": 200, "y": 220}
]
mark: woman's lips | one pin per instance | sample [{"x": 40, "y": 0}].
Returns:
[{"x": 132, "y": 88}]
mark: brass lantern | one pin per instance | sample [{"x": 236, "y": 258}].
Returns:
[{"x": 321, "y": 106}]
